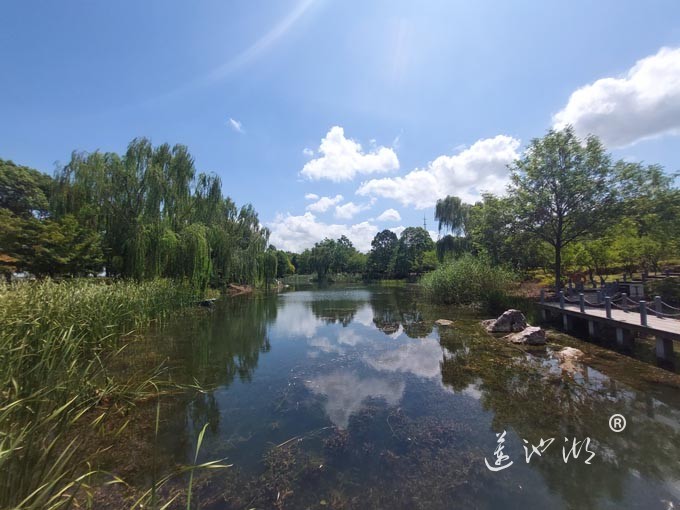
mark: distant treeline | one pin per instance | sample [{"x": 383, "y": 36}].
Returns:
[
  {"x": 569, "y": 208},
  {"x": 148, "y": 213},
  {"x": 144, "y": 214}
]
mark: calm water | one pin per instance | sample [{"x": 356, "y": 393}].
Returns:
[{"x": 353, "y": 398}]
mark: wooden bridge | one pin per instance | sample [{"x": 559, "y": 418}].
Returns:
[{"x": 625, "y": 315}]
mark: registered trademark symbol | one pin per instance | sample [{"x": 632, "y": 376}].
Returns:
[{"x": 617, "y": 422}]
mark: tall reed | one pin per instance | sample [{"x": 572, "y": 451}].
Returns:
[
  {"x": 56, "y": 339},
  {"x": 469, "y": 280}
]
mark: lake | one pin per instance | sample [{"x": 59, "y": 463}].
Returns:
[{"x": 352, "y": 397}]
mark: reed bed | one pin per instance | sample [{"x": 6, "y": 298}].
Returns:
[
  {"x": 56, "y": 340},
  {"x": 470, "y": 280}
]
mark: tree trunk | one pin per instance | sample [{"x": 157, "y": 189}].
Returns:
[{"x": 558, "y": 267}]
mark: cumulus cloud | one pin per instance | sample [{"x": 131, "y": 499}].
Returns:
[
  {"x": 350, "y": 209},
  {"x": 343, "y": 158},
  {"x": 347, "y": 392},
  {"x": 235, "y": 125},
  {"x": 312, "y": 196},
  {"x": 483, "y": 167},
  {"x": 308, "y": 152},
  {"x": 324, "y": 203},
  {"x": 422, "y": 358},
  {"x": 390, "y": 215},
  {"x": 644, "y": 103},
  {"x": 295, "y": 233}
]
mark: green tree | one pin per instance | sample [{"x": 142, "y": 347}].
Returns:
[
  {"x": 23, "y": 190},
  {"x": 563, "y": 190},
  {"x": 158, "y": 217},
  {"x": 413, "y": 243},
  {"x": 283, "y": 264},
  {"x": 452, "y": 215},
  {"x": 381, "y": 257},
  {"x": 321, "y": 257}
]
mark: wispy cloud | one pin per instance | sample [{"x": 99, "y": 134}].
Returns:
[
  {"x": 235, "y": 125},
  {"x": 252, "y": 52},
  {"x": 263, "y": 43}
]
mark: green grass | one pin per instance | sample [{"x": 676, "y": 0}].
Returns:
[
  {"x": 56, "y": 341},
  {"x": 469, "y": 280}
]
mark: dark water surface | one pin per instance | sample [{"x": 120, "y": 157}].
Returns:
[{"x": 351, "y": 397}]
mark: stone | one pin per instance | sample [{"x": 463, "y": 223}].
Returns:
[
  {"x": 532, "y": 335},
  {"x": 568, "y": 357},
  {"x": 443, "y": 322},
  {"x": 511, "y": 321}
]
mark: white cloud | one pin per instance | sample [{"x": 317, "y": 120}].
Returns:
[
  {"x": 398, "y": 230},
  {"x": 295, "y": 233},
  {"x": 346, "y": 392},
  {"x": 480, "y": 168},
  {"x": 342, "y": 159},
  {"x": 308, "y": 152},
  {"x": 422, "y": 358},
  {"x": 350, "y": 209},
  {"x": 235, "y": 125},
  {"x": 390, "y": 215},
  {"x": 324, "y": 203},
  {"x": 643, "y": 103},
  {"x": 312, "y": 196}
]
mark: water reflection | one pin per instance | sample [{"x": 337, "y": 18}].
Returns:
[
  {"x": 401, "y": 414},
  {"x": 224, "y": 345},
  {"x": 422, "y": 358},
  {"x": 347, "y": 392},
  {"x": 534, "y": 398}
]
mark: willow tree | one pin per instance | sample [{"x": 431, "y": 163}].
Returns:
[
  {"x": 452, "y": 214},
  {"x": 158, "y": 217},
  {"x": 563, "y": 189}
]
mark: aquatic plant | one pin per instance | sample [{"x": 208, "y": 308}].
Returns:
[
  {"x": 469, "y": 280},
  {"x": 56, "y": 342}
]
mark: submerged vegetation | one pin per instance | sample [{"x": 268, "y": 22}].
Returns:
[{"x": 57, "y": 342}]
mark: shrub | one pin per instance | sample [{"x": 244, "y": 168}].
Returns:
[{"x": 469, "y": 280}]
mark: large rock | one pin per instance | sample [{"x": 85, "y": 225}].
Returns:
[
  {"x": 532, "y": 335},
  {"x": 510, "y": 322},
  {"x": 443, "y": 322}
]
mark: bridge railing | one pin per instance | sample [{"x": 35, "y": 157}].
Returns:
[{"x": 620, "y": 301}]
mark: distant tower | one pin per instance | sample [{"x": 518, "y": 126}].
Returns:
[{"x": 424, "y": 222}]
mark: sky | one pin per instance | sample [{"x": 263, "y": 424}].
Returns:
[{"x": 340, "y": 117}]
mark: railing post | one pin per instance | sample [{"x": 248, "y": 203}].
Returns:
[
  {"x": 562, "y": 299},
  {"x": 624, "y": 301},
  {"x": 582, "y": 302},
  {"x": 599, "y": 296},
  {"x": 657, "y": 306},
  {"x": 643, "y": 313},
  {"x": 542, "y": 296},
  {"x": 608, "y": 306}
]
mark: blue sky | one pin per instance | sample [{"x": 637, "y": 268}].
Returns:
[{"x": 414, "y": 100}]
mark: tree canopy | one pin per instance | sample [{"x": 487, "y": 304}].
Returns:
[{"x": 563, "y": 189}]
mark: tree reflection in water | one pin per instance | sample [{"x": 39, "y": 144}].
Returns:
[
  {"x": 367, "y": 404},
  {"x": 533, "y": 397}
]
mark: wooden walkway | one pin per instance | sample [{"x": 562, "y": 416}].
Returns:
[{"x": 666, "y": 327}]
